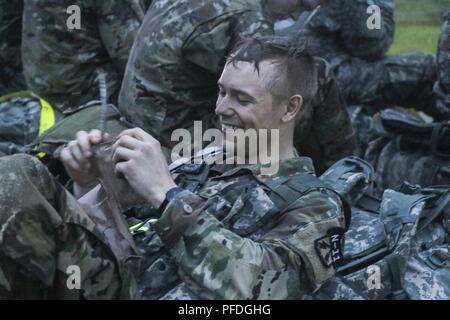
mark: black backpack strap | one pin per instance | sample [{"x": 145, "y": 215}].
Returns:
[
  {"x": 398, "y": 293},
  {"x": 284, "y": 191},
  {"x": 442, "y": 205}
]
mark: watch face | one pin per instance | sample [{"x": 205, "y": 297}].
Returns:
[{"x": 172, "y": 193}]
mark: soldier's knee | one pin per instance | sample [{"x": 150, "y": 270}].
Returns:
[
  {"x": 18, "y": 164},
  {"x": 18, "y": 172}
]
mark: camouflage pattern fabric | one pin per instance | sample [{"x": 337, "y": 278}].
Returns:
[
  {"x": 395, "y": 164},
  {"x": 339, "y": 34},
  {"x": 428, "y": 273},
  {"x": 412, "y": 262},
  {"x": 228, "y": 240},
  {"x": 11, "y": 76},
  {"x": 61, "y": 65},
  {"x": 405, "y": 79},
  {"x": 44, "y": 231},
  {"x": 19, "y": 123},
  {"x": 442, "y": 87},
  {"x": 418, "y": 155}
]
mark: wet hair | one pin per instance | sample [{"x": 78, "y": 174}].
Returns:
[{"x": 295, "y": 74}]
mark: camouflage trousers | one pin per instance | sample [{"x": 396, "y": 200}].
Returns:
[
  {"x": 395, "y": 158},
  {"x": 394, "y": 164},
  {"x": 400, "y": 80},
  {"x": 45, "y": 237}
]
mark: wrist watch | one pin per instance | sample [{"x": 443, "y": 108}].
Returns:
[{"x": 170, "y": 195}]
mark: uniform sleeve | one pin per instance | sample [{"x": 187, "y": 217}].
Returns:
[
  {"x": 355, "y": 35},
  {"x": 209, "y": 47},
  {"x": 119, "y": 22},
  {"x": 219, "y": 264}
]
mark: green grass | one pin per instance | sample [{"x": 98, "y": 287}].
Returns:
[
  {"x": 410, "y": 38},
  {"x": 418, "y": 25}
]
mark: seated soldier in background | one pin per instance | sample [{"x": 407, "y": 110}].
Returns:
[
  {"x": 177, "y": 58},
  {"x": 344, "y": 33},
  {"x": 238, "y": 234},
  {"x": 402, "y": 145},
  {"x": 61, "y": 65}
]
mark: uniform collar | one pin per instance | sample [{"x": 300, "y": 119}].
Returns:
[{"x": 287, "y": 167}]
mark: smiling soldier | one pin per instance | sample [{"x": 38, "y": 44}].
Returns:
[{"x": 221, "y": 231}]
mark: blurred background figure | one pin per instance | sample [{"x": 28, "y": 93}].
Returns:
[
  {"x": 61, "y": 64},
  {"x": 11, "y": 76}
]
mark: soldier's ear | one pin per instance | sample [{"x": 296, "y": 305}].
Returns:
[{"x": 293, "y": 107}]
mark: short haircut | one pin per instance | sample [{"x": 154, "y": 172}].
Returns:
[{"x": 296, "y": 70}]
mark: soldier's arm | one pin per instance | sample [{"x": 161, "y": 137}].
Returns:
[
  {"x": 210, "y": 49},
  {"x": 355, "y": 35},
  {"x": 118, "y": 24},
  {"x": 220, "y": 264}
]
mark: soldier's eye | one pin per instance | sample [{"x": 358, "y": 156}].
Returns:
[{"x": 243, "y": 102}]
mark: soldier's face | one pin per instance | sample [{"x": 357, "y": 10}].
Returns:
[{"x": 244, "y": 102}]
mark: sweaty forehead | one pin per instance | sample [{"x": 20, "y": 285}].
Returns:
[{"x": 243, "y": 75}]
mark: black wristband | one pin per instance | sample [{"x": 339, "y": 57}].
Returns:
[{"x": 170, "y": 195}]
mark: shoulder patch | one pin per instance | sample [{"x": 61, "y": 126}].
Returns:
[{"x": 329, "y": 248}]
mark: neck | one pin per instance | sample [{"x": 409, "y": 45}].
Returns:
[{"x": 287, "y": 150}]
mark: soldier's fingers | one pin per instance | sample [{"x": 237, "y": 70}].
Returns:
[
  {"x": 122, "y": 154},
  {"x": 121, "y": 168},
  {"x": 137, "y": 133},
  {"x": 105, "y": 136},
  {"x": 95, "y": 136},
  {"x": 84, "y": 143},
  {"x": 77, "y": 154},
  {"x": 69, "y": 162},
  {"x": 127, "y": 142}
]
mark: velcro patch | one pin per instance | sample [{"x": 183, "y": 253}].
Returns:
[{"x": 329, "y": 248}]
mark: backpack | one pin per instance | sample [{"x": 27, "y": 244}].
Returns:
[
  {"x": 23, "y": 117},
  {"x": 396, "y": 137},
  {"x": 397, "y": 246}
]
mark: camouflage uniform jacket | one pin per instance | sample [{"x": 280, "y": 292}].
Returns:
[
  {"x": 228, "y": 240},
  {"x": 177, "y": 58},
  {"x": 11, "y": 76},
  {"x": 61, "y": 64}
]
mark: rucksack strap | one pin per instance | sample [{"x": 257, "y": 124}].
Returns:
[
  {"x": 369, "y": 203},
  {"x": 285, "y": 191},
  {"x": 442, "y": 206},
  {"x": 398, "y": 293}
]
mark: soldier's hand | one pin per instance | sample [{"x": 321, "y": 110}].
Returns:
[
  {"x": 139, "y": 158},
  {"x": 77, "y": 157}
]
